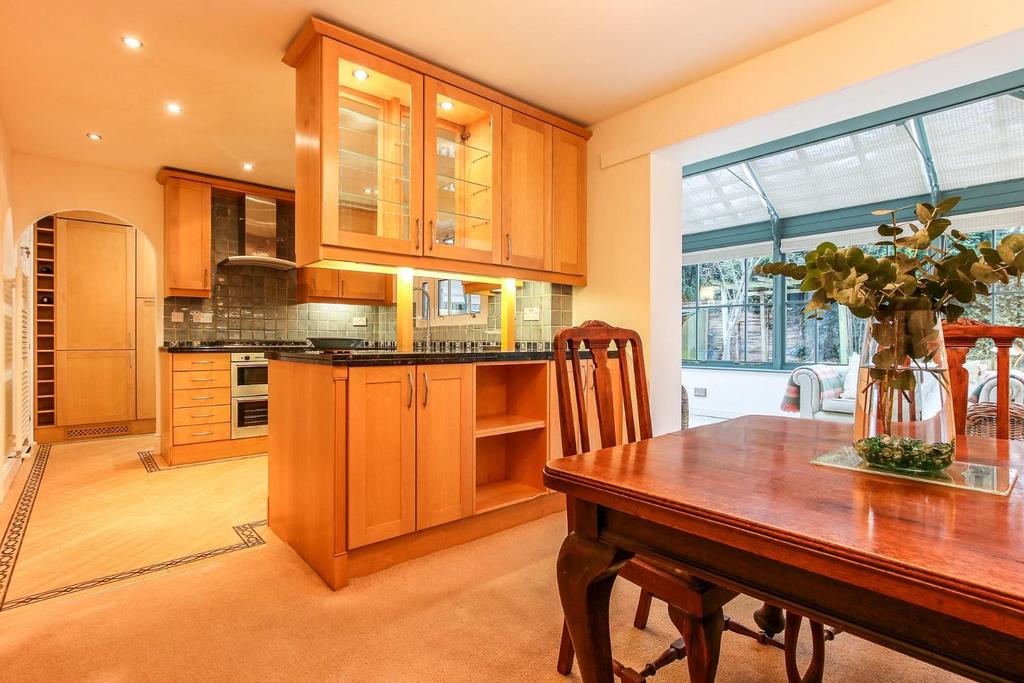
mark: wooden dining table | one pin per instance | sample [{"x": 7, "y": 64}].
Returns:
[{"x": 931, "y": 571}]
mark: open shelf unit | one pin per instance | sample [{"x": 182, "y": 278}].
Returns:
[
  {"x": 511, "y": 437},
  {"x": 44, "y": 268}
]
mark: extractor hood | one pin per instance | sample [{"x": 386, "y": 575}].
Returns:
[{"x": 257, "y": 236}]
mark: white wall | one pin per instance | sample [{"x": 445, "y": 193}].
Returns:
[{"x": 734, "y": 393}]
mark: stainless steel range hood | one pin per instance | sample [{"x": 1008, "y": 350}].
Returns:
[{"x": 258, "y": 237}]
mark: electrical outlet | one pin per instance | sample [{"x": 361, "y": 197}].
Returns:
[
  {"x": 531, "y": 314},
  {"x": 177, "y": 316},
  {"x": 359, "y": 322},
  {"x": 700, "y": 392},
  {"x": 202, "y": 316}
]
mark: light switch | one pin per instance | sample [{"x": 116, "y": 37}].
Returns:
[
  {"x": 531, "y": 314},
  {"x": 202, "y": 316},
  {"x": 358, "y": 322},
  {"x": 177, "y": 316}
]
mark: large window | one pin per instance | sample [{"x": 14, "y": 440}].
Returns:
[{"x": 727, "y": 312}]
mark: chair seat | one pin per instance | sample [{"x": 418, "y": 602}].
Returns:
[
  {"x": 981, "y": 420},
  {"x": 676, "y": 587}
]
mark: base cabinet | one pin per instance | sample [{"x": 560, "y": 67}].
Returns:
[
  {"x": 95, "y": 386},
  {"x": 444, "y": 444}
]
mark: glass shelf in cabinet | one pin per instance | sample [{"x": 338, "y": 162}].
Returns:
[{"x": 444, "y": 181}]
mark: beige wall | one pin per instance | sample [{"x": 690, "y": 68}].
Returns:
[
  {"x": 624, "y": 284},
  {"x": 8, "y": 466}
]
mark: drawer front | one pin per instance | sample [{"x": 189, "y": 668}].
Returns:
[
  {"x": 202, "y": 433},
  {"x": 201, "y": 361},
  {"x": 191, "y": 398},
  {"x": 202, "y": 379},
  {"x": 201, "y": 415}
]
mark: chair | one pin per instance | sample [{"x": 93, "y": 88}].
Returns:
[
  {"x": 979, "y": 419},
  {"x": 694, "y": 605}
]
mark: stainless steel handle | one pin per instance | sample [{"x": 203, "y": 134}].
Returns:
[
  {"x": 508, "y": 246},
  {"x": 412, "y": 390},
  {"x": 432, "y": 235},
  {"x": 426, "y": 388},
  {"x": 201, "y": 433},
  {"x": 201, "y": 398},
  {"x": 202, "y": 362},
  {"x": 417, "y": 234},
  {"x": 201, "y": 379}
]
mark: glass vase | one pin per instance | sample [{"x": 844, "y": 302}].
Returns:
[{"x": 904, "y": 413}]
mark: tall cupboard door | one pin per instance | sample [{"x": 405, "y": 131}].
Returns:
[
  {"x": 444, "y": 444},
  {"x": 95, "y": 286},
  {"x": 145, "y": 354},
  {"x": 188, "y": 217},
  {"x": 381, "y": 453},
  {"x": 372, "y": 151},
  {"x": 568, "y": 203},
  {"x": 95, "y": 386},
  {"x": 462, "y": 171},
  {"x": 525, "y": 191}
]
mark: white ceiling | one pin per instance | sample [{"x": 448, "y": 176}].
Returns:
[{"x": 64, "y": 71}]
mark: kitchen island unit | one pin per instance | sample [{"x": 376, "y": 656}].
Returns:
[{"x": 380, "y": 457}]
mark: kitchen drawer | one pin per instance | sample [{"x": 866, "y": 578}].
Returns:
[
  {"x": 201, "y": 361},
  {"x": 202, "y": 379},
  {"x": 201, "y": 415},
  {"x": 202, "y": 433},
  {"x": 190, "y": 398}
]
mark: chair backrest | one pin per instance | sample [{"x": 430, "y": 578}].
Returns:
[
  {"x": 960, "y": 338},
  {"x": 611, "y": 394}
]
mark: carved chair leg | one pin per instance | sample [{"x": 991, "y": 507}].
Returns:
[
  {"x": 643, "y": 609},
  {"x": 566, "y": 654},
  {"x": 703, "y": 638},
  {"x": 816, "y": 668},
  {"x": 586, "y": 573}
]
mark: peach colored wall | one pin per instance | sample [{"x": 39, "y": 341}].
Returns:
[
  {"x": 8, "y": 466},
  {"x": 624, "y": 283}
]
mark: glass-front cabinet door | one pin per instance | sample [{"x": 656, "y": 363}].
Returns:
[
  {"x": 376, "y": 133},
  {"x": 462, "y": 198}
]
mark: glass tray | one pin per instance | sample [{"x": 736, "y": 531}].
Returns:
[{"x": 960, "y": 475}]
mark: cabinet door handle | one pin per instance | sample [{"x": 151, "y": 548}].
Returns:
[
  {"x": 508, "y": 246},
  {"x": 202, "y": 379},
  {"x": 426, "y": 388},
  {"x": 432, "y": 235},
  {"x": 201, "y": 398},
  {"x": 206, "y": 277},
  {"x": 202, "y": 362},
  {"x": 203, "y": 415},
  {"x": 417, "y": 234},
  {"x": 201, "y": 433},
  {"x": 412, "y": 390}
]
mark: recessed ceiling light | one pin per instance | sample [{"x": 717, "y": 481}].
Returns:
[
  {"x": 95, "y": 137},
  {"x": 132, "y": 42},
  {"x": 174, "y": 108},
  {"x": 447, "y": 106},
  {"x": 360, "y": 74},
  {"x": 248, "y": 166}
]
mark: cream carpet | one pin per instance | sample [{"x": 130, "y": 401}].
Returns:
[{"x": 485, "y": 611}]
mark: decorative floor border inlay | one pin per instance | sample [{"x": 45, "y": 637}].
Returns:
[
  {"x": 15, "y": 534},
  {"x": 150, "y": 462}
]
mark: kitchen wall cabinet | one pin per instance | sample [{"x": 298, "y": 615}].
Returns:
[
  {"x": 145, "y": 354},
  {"x": 444, "y": 444},
  {"x": 95, "y": 286},
  {"x": 329, "y": 286},
  {"x": 402, "y": 163},
  {"x": 187, "y": 245},
  {"x": 382, "y": 453},
  {"x": 95, "y": 386}
]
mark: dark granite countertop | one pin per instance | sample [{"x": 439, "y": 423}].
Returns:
[
  {"x": 232, "y": 348},
  {"x": 377, "y": 357}
]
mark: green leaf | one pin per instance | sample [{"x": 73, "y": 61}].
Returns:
[
  {"x": 953, "y": 312},
  {"x": 938, "y": 226},
  {"x": 963, "y": 291},
  {"x": 985, "y": 273},
  {"x": 924, "y": 212},
  {"x": 947, "y": 204},
  {"x": 887, "y": 230}
]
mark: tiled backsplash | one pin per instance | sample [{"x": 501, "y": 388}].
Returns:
[{"x": 252, "y": 303}]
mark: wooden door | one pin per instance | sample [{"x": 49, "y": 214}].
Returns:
[
  {"x": 95, "y": 386},
  {"x": 525, "y": 191},
  {"x": 145, "y": 267},
  {"x": 95, "y": 286},
  {"x": 363, "y": 286},
  {"x": 187, "y": 247},
  {"x": 381, "y": 453},
  {"x": 462, "y": 173},
  {"x": 444, "y": 443},
  {"x": 568, "y": 203},
  {"x": 317, "y": 285},
  {"x": 145, "y": 354},
  {"x": 372, "y": 152}
]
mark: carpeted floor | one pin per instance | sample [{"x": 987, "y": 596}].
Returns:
[{"x": 485, "y": 611}]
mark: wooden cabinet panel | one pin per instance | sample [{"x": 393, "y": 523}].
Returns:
[
  {"x": 594, "y": 428},
  {"x": 95, "y": 286},
  {"x": 356, "y": 286},
  {"x": 201, "y": 361},
  {"x": 95, "y": 386},
  {"x": 202, "y": 433},
  {"x": 199, "y": 415},
  {"x": 382, "y": 454},
  {"x": 329, "y": 286},
  {"x": 202, "y": 379},
  {"x": 145, "y": 354},
  {"x": 187, "y": 246},
  {"x": 145, "y": 268},
  {"x": 568, "y": 203},
  {"x": 186, "y": 398},
  {"x": 444, "y": 444},
  {"x": 317, "y": 284},
  {"x": 525, "y": 191}
]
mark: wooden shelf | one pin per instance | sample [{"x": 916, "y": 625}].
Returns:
[
  {"x": 492, "y": 425},
  {"x": 500, "y": 494}
]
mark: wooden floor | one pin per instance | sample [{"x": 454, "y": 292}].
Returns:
[{"x": 85, "y": 516}]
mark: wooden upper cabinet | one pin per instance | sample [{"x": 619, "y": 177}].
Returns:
[
  {"x": 317, "y": 285},
  {"x": 444, "y": 443},
  {"x": 525, "y": 191},
  {"x": 568, "y": 203},
  {"x": 187, "y": 247},
  {"x": 95, "y": 286},
  {"x": 381, "y": 453},
  {"x": 329, "y": 286},
  {"x": 462, "y": 174}
]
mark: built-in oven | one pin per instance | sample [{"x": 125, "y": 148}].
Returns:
[{"x": 248, "y": 395}]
